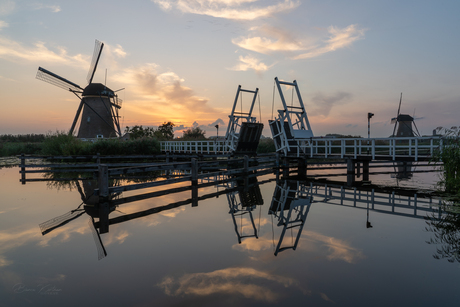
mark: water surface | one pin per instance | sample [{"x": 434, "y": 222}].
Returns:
[{"x": 177, "y": 254}]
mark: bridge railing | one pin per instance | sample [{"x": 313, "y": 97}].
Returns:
[
  {"x": 194, "y": 146},
  {"x": 414, "y": 147}
]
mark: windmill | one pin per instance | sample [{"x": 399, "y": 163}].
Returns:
[
  {"x": 99, "y": 105},
  {"x": 403, "y": 124}
]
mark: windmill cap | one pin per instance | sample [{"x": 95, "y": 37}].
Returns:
[
  {"x": 97, "y": 89},
  {"x": 405, "y": 118}
]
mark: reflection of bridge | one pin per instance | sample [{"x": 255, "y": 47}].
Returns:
[{"x": 291, "y": 202}]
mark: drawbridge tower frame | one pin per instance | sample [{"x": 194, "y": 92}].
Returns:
[
  {"x": 291, "y": 128},
  {"x": 236, "y": 120}
]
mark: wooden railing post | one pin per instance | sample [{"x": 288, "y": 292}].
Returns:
[
  {"x": 23, "y": 169},
  {"x": 103, "y": 182},
  {"x": 194, "y": 171}
]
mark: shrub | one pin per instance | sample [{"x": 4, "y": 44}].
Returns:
[{"x": 266, "y": 146}]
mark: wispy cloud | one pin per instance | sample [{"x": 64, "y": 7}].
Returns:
[
  {"x": 3, "y": 24},
  {"x": 249, "y": 282},
  {"x": 279, "y": 41},
  {"x": 229, "y": 9},
  {"x": 269, "y": 40},
  {"x": 39, "y": 52},
  {"x": 338, "y": 39},
  {"x": 41, "y": 6},
  {"x": 324, "y": 103},
  {"x": 249, "y": 62}
]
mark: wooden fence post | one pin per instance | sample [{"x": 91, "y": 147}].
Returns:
[
  {"x": 103, "y": 182},
  {"x": 23, "y": 169},
  {"x": 194, "y": 171}
]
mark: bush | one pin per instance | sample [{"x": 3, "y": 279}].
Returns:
[
  {"x": 266, "y": 146},
  {"x": 12, "y": 149},
  {"x": 449, "y": 154}
]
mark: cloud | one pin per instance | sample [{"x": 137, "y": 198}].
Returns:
[
  {"x": 249, "y": 62},
  {"x": 229, "y": 9},
  {"x": 3, "y": 24},
  {"x": 270, "y": 40},
  {"x": 40, "y": 6},
  {"x": 248, "y": 282},
  {"x": 339, "y": 38},
  {"x": 14, "y": 51},
  {"x": 324, "y": 103},
  {"x": 161, "y": 92},
  {"x": 280, "y": 41}
]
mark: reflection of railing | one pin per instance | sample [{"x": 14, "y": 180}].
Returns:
[{"x": 397, "y": 202}]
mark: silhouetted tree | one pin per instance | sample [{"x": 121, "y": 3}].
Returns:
[
  {"x": 165, "y": 131},
  {"x": 194, "y": 133}
]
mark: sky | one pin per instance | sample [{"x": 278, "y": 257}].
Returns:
[{"x": 181, "y": 61}]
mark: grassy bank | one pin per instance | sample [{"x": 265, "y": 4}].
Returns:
[{"x": 63, "y": 144}]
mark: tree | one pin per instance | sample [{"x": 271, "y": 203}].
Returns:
[
  {"x": 138, "y": 132},
  {"x": 194, "y": 133},
  {"x": 165, "y": 131}
]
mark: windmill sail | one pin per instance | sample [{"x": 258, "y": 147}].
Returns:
[
  {"x": 96, "y": 55},
  {"x": 49, "y": 77}
]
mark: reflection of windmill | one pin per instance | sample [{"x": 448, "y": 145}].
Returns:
[
  {"x": 403, "y": 124},
  {"x": 242, "y": 202},
  {"x": 93, "y": 208},
  {"x": 100, "y": 104},
  {"x": 290, "y": 204}
]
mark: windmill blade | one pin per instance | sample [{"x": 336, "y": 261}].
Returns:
[
  {"x": 96, "y": 55},
  {"x": 396, "y": 119},
  {"x": 77, "y": 115},
  {"x": 49, "y": 77},
  {"x": 101, "y": 253},
  {"x": 59, "y": 221}
]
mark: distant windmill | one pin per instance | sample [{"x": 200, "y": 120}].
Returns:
[
  {"x": 403, "y": 124},
  {"x": 100, "y": 104}
]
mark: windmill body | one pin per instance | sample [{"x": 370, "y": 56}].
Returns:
[
  {"x": 404, "y": 124},
  {"x": 96, "y": 118},
  {"x": 99, "y": 105}
]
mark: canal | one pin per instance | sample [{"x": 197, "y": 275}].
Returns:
[{"x": 264, "y": 241}]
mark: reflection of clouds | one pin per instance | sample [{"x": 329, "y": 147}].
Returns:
[
  {"x": 243, "y": 281},
  {"x": 338, "y": 249},
  {"x": 252, "y": 244}
]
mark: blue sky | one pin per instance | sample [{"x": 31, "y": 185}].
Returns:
[{"x": 182, "y": 60}]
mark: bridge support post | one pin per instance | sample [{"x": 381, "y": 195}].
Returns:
[
  {"x": 366, "y": 170},
  {"x": 350, "y": 172},
  {"x": 301, "y": 168},
  {"x": 286, "y": 167}
]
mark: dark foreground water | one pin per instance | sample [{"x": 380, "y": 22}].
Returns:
[{"x": 302, "y": 244}]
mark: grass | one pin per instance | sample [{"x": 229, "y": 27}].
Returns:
[{"x": 61, "y": 144}]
